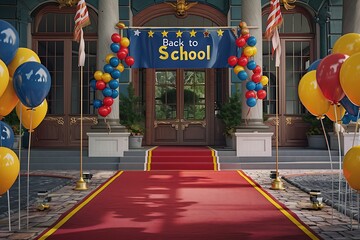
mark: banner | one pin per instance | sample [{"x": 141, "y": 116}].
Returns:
[{"x": 181, "y": 47}]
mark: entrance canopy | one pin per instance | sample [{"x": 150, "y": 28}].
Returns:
[{"x": 182, "y": 47}]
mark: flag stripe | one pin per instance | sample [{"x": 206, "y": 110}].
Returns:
[
  {"x": 275, "y": 18},
  {"x": 81, "y": 19}
]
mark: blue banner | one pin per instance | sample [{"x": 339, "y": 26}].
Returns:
[{"x": 181, "y": 48}]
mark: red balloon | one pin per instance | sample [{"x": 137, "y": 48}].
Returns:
[
  {"x": 125, "y": 49},
  {"x": 121, "y": 54},
  {"x": 261, "y": 94},
  {"x": 256, "y": 77},
  {"x": 103, "y": 111},
  {"x": 108, "y": 101},
  {"x": 257, "y": 69},
  {"x": 232, "y": 60},
  {"x": 328, "y": 76},
  {"x": 115, "y": 38},
  {"x": 240, "y": 42},
  {"x": 246, "y": 36},
  {"x": 242, "y": 61},
  {"x": 100, "y": 85},
  {"x": 250, "y": 94},
  {"x": 129, "y": 61},
  {"x": 108, "y": 108}
]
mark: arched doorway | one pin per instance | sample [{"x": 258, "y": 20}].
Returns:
[
  {"x": 298, "y": 50},
  {"x": 180, "y": 103},
  {"x": 52, "y": 39}
]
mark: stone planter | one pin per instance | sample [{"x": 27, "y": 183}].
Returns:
[
  {"x": 135, "y": 141},
  {"x": 17, "y": 139},
  {"x": 316, "y": 141}
]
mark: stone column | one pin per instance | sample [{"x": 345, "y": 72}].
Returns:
[
  {"x": 351, "y": 16},
  {"x": 107, "y": 19},
  {"x": 251, "y": 14},
  {"x": 108, "y": 139},
  {"x": 253, "y": 137}
]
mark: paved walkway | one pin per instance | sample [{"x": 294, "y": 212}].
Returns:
[{"x": 328, "y": 223}]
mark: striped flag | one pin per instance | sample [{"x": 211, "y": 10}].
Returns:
[
  {"x": 81, "y": 19},
  {"x": 273, "y": 22}
]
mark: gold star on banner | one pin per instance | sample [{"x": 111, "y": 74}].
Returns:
[
  {"x": 192, "y": 33},
  {"x": 220, "y": 32},
  {"x": 151, "y": 33},
  {"x": 206, "y": 33},
  {"x": 164, "y": 33},
  {"x": 179, "y": 33}
]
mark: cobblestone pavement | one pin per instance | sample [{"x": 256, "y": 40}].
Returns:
[{"x": 328, "y": 223}]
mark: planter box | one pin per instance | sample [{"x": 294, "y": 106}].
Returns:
[
  {"x": 253, "y": 144},
  {"x": 135, "y": 141},
  {"x": 103, "y": 144},
  {"x": 316, "y": 141}
]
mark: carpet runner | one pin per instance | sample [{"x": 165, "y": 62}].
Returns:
[
  {"x": 173, "y": 205},
  {"x": 181, "y": 158}
]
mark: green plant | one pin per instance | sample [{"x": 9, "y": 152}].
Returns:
[
  {"x": 132, "y": 112},
  {"x": 12, "y": 120},
  {"x": 230, "y": 113},
  {"x": 315, "y": 125}
]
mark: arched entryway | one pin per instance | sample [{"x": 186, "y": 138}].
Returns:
[
  {"x": 52, "y": 39},
  {"x": 181, "y": 103}
]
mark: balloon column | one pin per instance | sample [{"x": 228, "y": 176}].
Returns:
[
  {"x": 106, "y": 81},
  {"x": 246, "y": 43},
  {"x": 23, "y": 81}
]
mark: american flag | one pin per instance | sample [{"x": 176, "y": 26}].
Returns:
[
  {"x": 273, "y": 22},
  {"x": 81, "y": 19}
]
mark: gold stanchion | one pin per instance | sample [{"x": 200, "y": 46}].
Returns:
[{"x": 277, "y": 184}]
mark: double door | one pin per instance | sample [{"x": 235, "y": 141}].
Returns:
[{"x": 182, "y": 113}]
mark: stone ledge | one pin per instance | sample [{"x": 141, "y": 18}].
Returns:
[
  {"x": 253, "y": 144},
  {"x": 103, "y": 144}
]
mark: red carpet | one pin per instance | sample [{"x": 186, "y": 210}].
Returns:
[
  {"x": 181, "y": 158},
  {"x": 170, "y": 205}
]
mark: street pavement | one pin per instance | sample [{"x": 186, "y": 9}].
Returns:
[{"x": 329, "y": 223}]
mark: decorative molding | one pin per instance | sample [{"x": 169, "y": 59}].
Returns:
[
  {"x": 74, "y": 120},
  {"x": 59, "y": 120}
]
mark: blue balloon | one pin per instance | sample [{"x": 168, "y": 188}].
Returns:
[
  {"x": 115, "y": 93},
  {"x": 97, "y": 103},
  {"x": 115, "y": 74},
  {"x": 93, "y": 84},
  {"x": 242, "y": 75},
  {"x": 9, "y": 42},
  {"x": 251, "y": 41},
  {"x": 250, "y": 85},
  {"x": 314, "y": 65},
  {"x": 108, "y": 68},
  {"x": 115, "y": 47},
  {"x": 7, "y": 135},
  {"x": 353, "y": 118},
  {"x": 251, "y": 102},
  {"x": 346, "y": 119},
  {"x": 258, "y": 86},
  {"x": 114, "y": 61},
  {"x": 113, "y": 84},
  {"x": 32, "y": 82},
  {"x": 107, "y": 92},
  {"x": 251, "y": 65},
  {"x": 349, "y": 106}
]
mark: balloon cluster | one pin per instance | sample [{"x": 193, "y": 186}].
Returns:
[
  {"x": 334, "y": 80},
  {"x": 255, "y": 85},
  {"x": 106, "y": 81},
  {"x": 24, "y": 85}
]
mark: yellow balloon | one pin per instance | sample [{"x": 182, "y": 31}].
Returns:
[
  {"x": 4, "y": 77},
  {"x": 106, "y": 77},
  {"x": 9, "y": 168},
  {"x": 248, "y": 51},
  {"x": 254, "y": 49},
  {"x": 98, "y": 75},
  {"x": 125, "y": 42},
  {"x": 349, "y": 78},
  {"x": 120, "y": 67},
  {"x": 22, "y": 55},
  {"x": 264, "y": 80},
  {"x": 238, "y": 68},
  {"x": 351, "y": 167},
  {"x": 348, "y": 44},
  {"x": 311, "y": 96},
  {"x": 108, "y": 57},
  {"x": 340, "y": 112},
  {"x": 8, "y": 100},
  {"x": 33, "y": 116}
]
